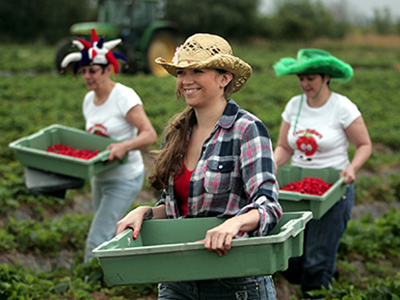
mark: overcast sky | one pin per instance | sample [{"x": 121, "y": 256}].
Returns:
[{"x": 358, "y": 8}]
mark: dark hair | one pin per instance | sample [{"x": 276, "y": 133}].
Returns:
[
  {"x": 320, "y": 74},
  {"x": 323, "y": 77},
  {"x": 103, "y": 66}
]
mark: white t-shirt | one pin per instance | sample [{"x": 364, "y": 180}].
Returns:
[
  {"x": 109, "y": 119},
  {"x": 317, "y": 135}
]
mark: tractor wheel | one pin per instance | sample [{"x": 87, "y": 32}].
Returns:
[
  {"x": 64, "y": 47},
  {"x": 162, "y": 44}
]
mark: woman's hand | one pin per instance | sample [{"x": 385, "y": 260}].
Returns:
[
  {"x": 219, "y": 239},
  {"x": 118, "y": 151},
  {"x": 134, "y": 220},
  {"x": 350, "y": 175},
  {"x": 358, "y": 134},
  {"x": 146, "y": 136}
]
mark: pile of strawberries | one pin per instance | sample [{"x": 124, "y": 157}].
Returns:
[
  {"x": 70, "y": 151},
  {"x": 308, "y": 185}
]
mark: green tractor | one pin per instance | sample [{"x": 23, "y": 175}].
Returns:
[{"x": 139, "y": 23}]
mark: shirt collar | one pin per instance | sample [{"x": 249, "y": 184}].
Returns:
[{"x": 229, "y": 115}]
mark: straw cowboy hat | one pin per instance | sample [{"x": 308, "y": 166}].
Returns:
[
  {"x": 314, "y": 61},
  {"x": 208, "y": 51}
]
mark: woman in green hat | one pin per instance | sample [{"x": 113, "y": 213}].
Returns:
[{"x": 314, "y": 133}]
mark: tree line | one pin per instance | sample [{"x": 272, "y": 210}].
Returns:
[{"x": 49, "y": 21}]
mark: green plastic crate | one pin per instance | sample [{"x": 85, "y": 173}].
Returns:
[
  {"x": 166, "y": 250},
  {"x": 318, "y": 205},
  {"x": 31, "y": 152}
]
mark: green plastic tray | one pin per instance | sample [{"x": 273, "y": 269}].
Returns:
[
  {"x": 31, "y": 152},
  {"x": 318, "y": 205},
  {"x": 166, "y": 250}
]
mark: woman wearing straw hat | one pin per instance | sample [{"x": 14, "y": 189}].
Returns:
[
  {"x": 216, "y": 161},
  {"x": 314, "y": 133},
  {"x": 116, "y": 111}
]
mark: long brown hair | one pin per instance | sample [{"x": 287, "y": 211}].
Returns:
[{"x": 168, "y": 160}]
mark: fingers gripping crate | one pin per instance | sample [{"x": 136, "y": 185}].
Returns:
[
  {"x": 31, "y": 152},
  {"x": 166, "y": 250},
  {"x": 318, "y": 205}
]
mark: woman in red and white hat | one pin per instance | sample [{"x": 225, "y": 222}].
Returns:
[{"x": 116, "y": 111}]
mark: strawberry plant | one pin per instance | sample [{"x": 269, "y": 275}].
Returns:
[
  {"x": 33, "y": 98},
  {"x": 384, "y": 232},
  {"x": 51, "y": 235}
]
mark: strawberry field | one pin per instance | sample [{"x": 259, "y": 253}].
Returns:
[{"x": 42, "y": 238}]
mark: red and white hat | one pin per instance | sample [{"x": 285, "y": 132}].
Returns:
[{"x": 97, "y": 52}]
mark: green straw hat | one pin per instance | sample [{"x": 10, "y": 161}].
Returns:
[{"x": 314, "y": 61}]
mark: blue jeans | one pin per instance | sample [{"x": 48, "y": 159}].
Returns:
[
  {"x": 111, "y": 200},
  {"x": 316, "y": 267},
  {"x": 243, "y": 288}
]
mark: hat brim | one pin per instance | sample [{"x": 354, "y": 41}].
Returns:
[
  {"x": 240, "y": 70},
  {"x": 335, "y": 67}
]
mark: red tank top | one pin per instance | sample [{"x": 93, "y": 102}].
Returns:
[{"x": 181, "y": 186}]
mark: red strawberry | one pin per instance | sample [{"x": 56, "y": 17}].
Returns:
[
  {"x": 308, "y": 185},
  {"x": 70, "y": 151}
]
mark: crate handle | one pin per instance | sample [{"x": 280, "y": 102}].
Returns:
[
  {"x": 288, "y": 224},
  {"x": 298, "y": 225},
  {"x": 104, "y": 156},
  {"x": 338, "y": 183},
  {"x": 307, "y": 216}
]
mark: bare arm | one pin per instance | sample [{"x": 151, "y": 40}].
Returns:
[
  {"x": 135, "y": 218},
  {"x": 282, "y": 152},
  {"x": 357, "y": 132},
  {"x": 146, "y": 136},
  {"x": 219, "y": 239}
]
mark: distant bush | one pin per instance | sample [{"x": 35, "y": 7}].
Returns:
[
  {"x": 229, "y": 18},
  {"x": 26, "y": 21},
  {"x": 49, "y": 20},
  {"x": 303, "y": 20},
  {"x": 382, "y": 21}
]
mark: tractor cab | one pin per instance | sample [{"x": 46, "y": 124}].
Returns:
[{"x": 140, "y": 24}]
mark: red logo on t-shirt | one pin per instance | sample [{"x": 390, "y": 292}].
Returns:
[
  {"x": 98, "y": 129},
  {"x": 307, "y": 144}
]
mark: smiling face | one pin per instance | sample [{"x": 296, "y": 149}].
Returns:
[
  {"x": 311, "y": 84},
  {"x": 94, "y": 76},
  {"x": 201, "y": 87}
]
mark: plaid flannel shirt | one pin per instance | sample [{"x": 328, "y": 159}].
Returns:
[{"x": 235, "y": 173}]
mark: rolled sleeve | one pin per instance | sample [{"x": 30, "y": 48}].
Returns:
[
  {"x": 259, "y": 178},
  {"x": 270, "y": 214}
]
